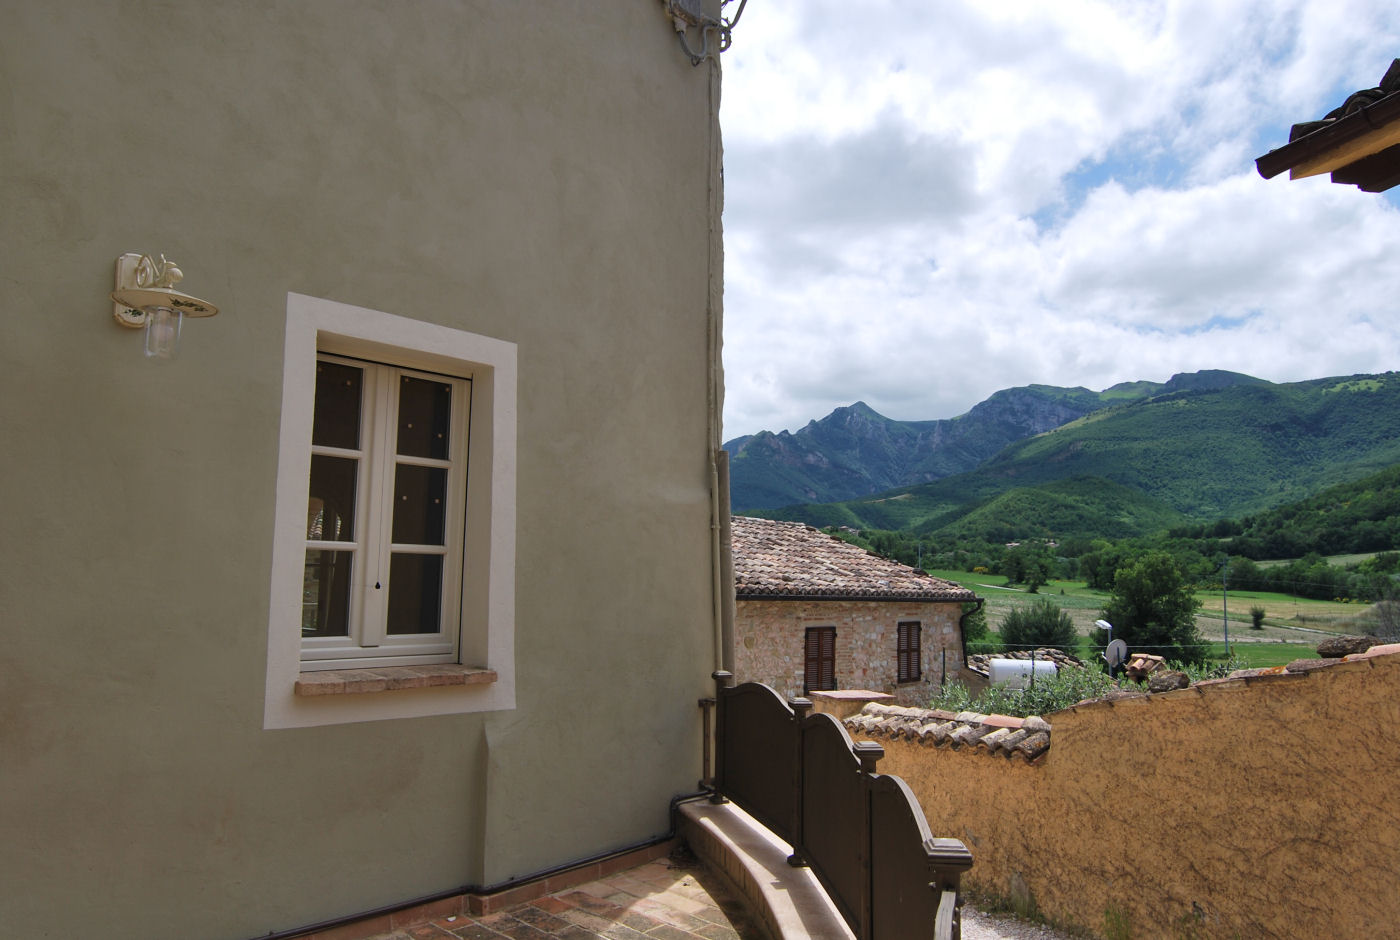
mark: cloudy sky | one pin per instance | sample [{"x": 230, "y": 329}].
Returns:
[{"x": 929, "y": 201}]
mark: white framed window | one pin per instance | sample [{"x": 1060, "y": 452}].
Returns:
[
  {"x": 393, "y": 562},
  {"x": 386, "y": 508}
]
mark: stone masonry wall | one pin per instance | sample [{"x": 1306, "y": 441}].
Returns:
[
  {"x": 1245, "y": 807},
  {"x": 769, "y": 637}
]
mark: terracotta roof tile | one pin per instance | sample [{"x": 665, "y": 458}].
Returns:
[
  {"x": 788, "y": 559},
  {"x": 987, "y": 734}
]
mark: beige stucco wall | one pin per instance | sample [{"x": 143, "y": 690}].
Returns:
[
  {"x": 1251, "y": 808},
  {"x": 769, "y": 637},
  {"x": 544, "y": 177}
]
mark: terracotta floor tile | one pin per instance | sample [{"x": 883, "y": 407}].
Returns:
[
  {"x": 491, "y": 920},
  {"x": 638, "y": 921},
  {"x": 593, "y": 904},
  {"x": 451, "y": 921},
  {"x": 681, "y": 919},
  {"x": 519, "y": 930},
  {"x": 680, "y": 902},
  {"x": 633, "y": 886},
  {"x": 716, "y": 932},
  {"x": 599, "y": 889},
  {"x": 575, "y": 932},
  {"x": 663, "y": 878},
  {"x": 623, "y": 932},
  {"x": 667, "y": 932},
  {"x": 660, "y": 900},
  {"x": 474, "y": 931},
  {"x": 551, "y": 904},
  {"x": 584, "y": 919},
  {"x": 713, "y": 914},
  {"x": 537, "y": 918}
]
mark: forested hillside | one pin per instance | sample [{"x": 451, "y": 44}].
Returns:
[
  {"x": 1191, "y": 455},
  {"x": 855, "y": 451}
]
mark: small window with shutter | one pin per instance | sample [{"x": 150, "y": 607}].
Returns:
[
  {"x": 820, "y": 660},
  {"x": 908, "y": 651}
]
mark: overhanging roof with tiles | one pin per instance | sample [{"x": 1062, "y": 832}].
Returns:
[{"x": 791, "y": 561}]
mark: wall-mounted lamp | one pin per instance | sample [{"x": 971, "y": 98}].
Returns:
[{"x": 146, "y": 297}]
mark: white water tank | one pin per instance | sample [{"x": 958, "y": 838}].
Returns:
[{"x": 1016, "y": 673}]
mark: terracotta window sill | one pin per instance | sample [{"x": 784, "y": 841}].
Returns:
[{"x": 390, "y": 679}]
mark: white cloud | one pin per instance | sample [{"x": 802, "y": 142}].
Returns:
[{"x": 927, "y": 203}]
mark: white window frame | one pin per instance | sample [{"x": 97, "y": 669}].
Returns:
[
  {"x": 483, "y": 632},
  {"x": 368, "y": 643}
]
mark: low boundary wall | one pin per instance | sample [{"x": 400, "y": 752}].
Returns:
[{"x": 1255, "y": 806}]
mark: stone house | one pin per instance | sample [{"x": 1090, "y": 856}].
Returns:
[
  {"x": 466, "y": 259},
  {"x": 813, "y": 612}
]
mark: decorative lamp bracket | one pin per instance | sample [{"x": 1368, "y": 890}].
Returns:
[{"x": 143, "y": 283}]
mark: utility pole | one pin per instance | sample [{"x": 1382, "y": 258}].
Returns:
[{"x": 1225, "y": 601}]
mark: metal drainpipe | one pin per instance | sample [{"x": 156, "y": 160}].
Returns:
[
  {"x": 962, "y": 633},
  {"x": 719, "y": 511},
  {"x": 726, "y": 561}
]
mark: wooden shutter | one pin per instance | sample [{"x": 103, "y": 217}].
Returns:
[
  {"x": 819, "y": 658},
  {"x": 908, "y": 651}
]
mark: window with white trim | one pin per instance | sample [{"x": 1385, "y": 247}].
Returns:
[
  {"x": 385, "y": 509},
  {"x": 393, "y": 545}
]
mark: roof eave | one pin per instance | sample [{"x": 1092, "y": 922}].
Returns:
[{"x": 1354, "y": 137}]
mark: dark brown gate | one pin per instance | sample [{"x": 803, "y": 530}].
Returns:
[{"x": 863, "y": 833}]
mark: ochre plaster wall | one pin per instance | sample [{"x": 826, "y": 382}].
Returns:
[
  {"x": 542, "y": 175},
  {"x": 1249, "y": 808},
  {"x": 769, "y": 637}
]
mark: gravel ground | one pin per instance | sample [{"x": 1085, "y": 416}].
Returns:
[{"x": 979, "y": 926}]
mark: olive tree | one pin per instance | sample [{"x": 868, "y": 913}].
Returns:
[{"x": 1153, "y": 609}]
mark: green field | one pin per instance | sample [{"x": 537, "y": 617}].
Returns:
[
  {"x": 1339, "y": 560},
  {"x": 1293, "y": 626}
]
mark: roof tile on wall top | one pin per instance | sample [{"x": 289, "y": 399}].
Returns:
[
  {"x": 989, "y": 734},
  {"x": 788, "y": 559}
]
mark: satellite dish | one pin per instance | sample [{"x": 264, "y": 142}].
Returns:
[{"x": 1116, "y": 654}]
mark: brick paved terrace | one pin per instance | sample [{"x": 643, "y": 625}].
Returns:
[{"x": 673, "y": 898}]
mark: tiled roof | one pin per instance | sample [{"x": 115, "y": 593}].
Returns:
[
  {"x": 1000, "y": 735},
  {"x": 789, "y": 559},
  {"x": 1358, "y": 142}
]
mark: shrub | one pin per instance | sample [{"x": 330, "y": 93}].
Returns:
[
  {"x": 1256, "y": 617},
  {"x": 1040, "y": 624},
  {"x": 1199, "y": 671},
  {"x": 1049, "y": 694}
]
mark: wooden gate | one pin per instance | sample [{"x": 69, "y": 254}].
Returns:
[{"x": 863, "y": 833}]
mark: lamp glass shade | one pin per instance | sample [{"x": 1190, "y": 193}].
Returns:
[{"x": 162, "y": 331}]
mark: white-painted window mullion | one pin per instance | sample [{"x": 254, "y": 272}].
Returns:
[{"x": 379, "y": 429}]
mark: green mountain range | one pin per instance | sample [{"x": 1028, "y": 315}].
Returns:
[
  {"x": 1196, "y": 451},
  {"x": 855, "y": 451}
]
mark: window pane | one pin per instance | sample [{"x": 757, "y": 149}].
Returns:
[
  {"x": 325, "y": 594},
  {"x": 419, "y": 511},
  {"x": 425, "y": 408},
  {"x": 330, "y": 512},
  {"x": 415, "y": 594},
  {"x": 336, "y": 422}
]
